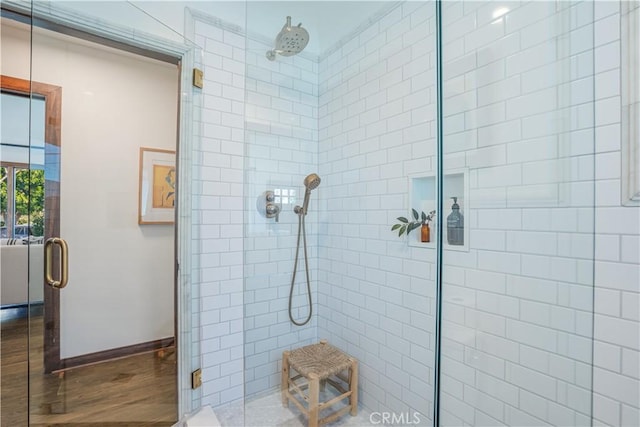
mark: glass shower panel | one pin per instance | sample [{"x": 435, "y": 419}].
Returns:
[
  {"x": 519, "y": 206},
  {"x": 281, "y": 149},
  {"x": 357, "y": 107}
]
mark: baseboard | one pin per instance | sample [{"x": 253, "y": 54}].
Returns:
[
  {"x": 20, "y": 311},
  {"x": 115, "y": 353}
]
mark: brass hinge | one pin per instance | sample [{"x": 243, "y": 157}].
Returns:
[
  {"x": 196, "y": 379},
  {"x": 198, "y": 78}
]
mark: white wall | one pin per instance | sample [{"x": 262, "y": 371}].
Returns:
[
  {"x": 120, "y": 289},
  {"x": 616, "y": 359},
  {"x": 517, "y": 312},
  {"x": 273, "y": 135},
  {"x": 281, "y": 148},
  {"x": 377, "y": 127},
  {"x": 218, "y": 214}
]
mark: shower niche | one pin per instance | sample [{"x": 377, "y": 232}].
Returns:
[{"x": 423, "y": 198}]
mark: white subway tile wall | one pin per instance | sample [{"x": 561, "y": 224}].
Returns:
[
  {"x": 532, "y": 218},
  {"x": 517, "y": 322},
  {"x": 376, "y": 126},
  {"x": 616, "y": 382},
  {"x": 520, "y": 98},
  {"x": 281, "y": 148},
  {"x": 218, "y": 220},
  {"x": 268, "y": 141}
]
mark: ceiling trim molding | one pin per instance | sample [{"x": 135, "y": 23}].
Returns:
[{"x": 381, "y": 13}]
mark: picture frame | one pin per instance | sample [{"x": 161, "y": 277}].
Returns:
[{"x": 156, "y": 186}]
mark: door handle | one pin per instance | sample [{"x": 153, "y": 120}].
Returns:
[{"x": 64, "y": 262}]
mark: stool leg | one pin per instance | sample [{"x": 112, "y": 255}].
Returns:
[
  {"x": 284, "y": 385},
  {"x": 353, "y": 386},
  {"x": 314, "y": 397}
]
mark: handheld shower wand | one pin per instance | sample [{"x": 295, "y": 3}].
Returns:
[{"x": 311, "y": 182}]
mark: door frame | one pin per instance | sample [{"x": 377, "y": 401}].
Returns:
[
  {"x": 52, "y": 136},
  {"x": 186, "y": 55}
]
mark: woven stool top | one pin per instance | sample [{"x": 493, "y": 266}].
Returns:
[{"x": 323, "y": 360}]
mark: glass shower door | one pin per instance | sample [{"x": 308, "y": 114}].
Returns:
[
  {"x": 15, "y": 178},
  {"x": 103, "y": 350},
  {"x": 518, "y": 194}
]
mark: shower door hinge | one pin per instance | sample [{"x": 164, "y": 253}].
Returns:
[
  {"x": 198, "y": 78},
  {"x": 196, "y": 379}
]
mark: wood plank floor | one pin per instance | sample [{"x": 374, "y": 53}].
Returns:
[{"x": 134, "y": 391}]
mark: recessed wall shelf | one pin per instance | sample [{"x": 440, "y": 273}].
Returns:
[{"x": 423, "y": 196}]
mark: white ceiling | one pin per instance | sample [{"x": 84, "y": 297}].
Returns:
[{"x": 326, "y": 21}]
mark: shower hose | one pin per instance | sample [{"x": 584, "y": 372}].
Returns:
[{"x": 301, "y": 230}]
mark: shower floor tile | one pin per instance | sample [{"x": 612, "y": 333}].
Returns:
[{"x": 267, "y": 411}]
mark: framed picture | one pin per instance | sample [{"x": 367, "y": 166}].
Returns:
[{"x": 157, "y": 186}]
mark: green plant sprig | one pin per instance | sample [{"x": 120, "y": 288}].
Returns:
[{"x": 406, "y": 226}]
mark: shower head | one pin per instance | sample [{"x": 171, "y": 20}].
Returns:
[
  {"x": 311, "y": 182},
  {"x": 290, "y": 41}
]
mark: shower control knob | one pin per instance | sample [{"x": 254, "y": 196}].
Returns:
[
  {"x": 270, "y": 196},
  {"x": 272, "y": 211}
]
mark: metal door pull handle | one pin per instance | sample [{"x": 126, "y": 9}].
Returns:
[{"x": 64, "y": 262}]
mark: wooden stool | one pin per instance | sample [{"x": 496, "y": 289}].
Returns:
[{"x": 319, "y": 364}]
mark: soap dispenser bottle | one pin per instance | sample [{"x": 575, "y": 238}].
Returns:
[{"x": 455, "y": 225}]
